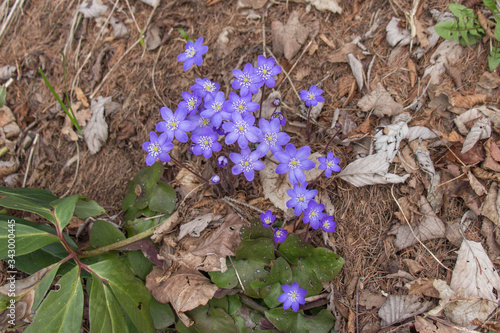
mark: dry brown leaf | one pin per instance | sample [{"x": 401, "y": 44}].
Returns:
[
  {"x": 490, "y": 205},
  {"x": 456, "y": 75},
  {"x": 491, "y": 164},
  {"x": 274, "y": 187},
  {"x": 422, "y": 34},
  {"x": 396, "y": 35},
  {"x": 153, "y": 38},
  {"x": 494, "y": 151},
  {"x": 430, "y": 227},
  {"x": 412, "y": 72},
  {"x": 488, "y": 82},
  {"x": 341, "y": 55},
  {"x": 452, "y": 137},
  {"x": 357, "y": 70},
  {"x": 185, "y": 290},
  {"x": 288, "y": 38},
  {"x": 328, "y": 41},
  {"x": 407, "y": 160},
  {"x": 400, "y": 307},
  {"x": 80, "y": 96},
  {"x": 464, "y": 118},
  {"x": 370, "y": 301},
  {"x": 196, "y": 226},
  {"x": 424, "y": 326},
  {"x": 381, "y": 102},
  {"x": 323, "y": 5},
  {"x": 488, "y": 230},
  {"x": 362, "y": 130},
  {"x": 472, "y": 157},
  {"x": 224, "y": 240},
  {"x": 413, "y": 266},
  {"x": 422, "y": 287},
  {"x": 483, "y": 174},
  {"x": 167, "y": 225},
  {"x": 479, "y": 131},
  {"x": 476, "y": 185}
]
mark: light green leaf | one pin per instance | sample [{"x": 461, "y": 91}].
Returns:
[
  {"x": 497, "y": 32},
  {"x": 130, "y": 292},
  {"x": 23, "y": 240},
  {"x": 105, "y": 313},
  {"x": 162, "y": 314},
  {"x": 295, "y": 322},
  {"x": 104, "y": 233},
  {"x": 3, "y": 95},
  {"x": 447, "y": 30},
  {"x": 87, "y": 208},
  {"x": 62, "y": 310},
  {"x": 63, "y": 209},
  {"x": 163, "y": 198},
  {"x": 28, "y": 199},
  {"x": 139, "y": 264}
]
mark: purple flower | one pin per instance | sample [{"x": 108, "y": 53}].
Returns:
[
  {"x": 246, "y": 162},
  {"x": 280, "y": 116},
  {"x": 293, "y": 296},
  {"x": 330, "y": 163},
  {"x": 199, "y": 122},
  {"x": 266, "y": 69},
  {"x": 280, "y": 235},
  {"x": 222, "y": 161},
  {"x": 272, "y": 138},
  {"x": 313, "y": 214},
  {"x": 205, "y": 142},
  {"x": 300, "y": 197},
  {"x": 215, "y": 179},
  {"x": 267, "y": 218},
  {"x": 219, "y": 130},
  {"x": 328, "y": 224},
  {"x": 276, "y": 102},
  {"x": 175, "y": 124},
  {"x": 213, "y": 109},
  {"x": 204, "y": 87},
  {"x": 190, "y": 102},
  {"x": 294, "y": 162},
  {"x": 247, "y": 80},
  {"x": 241, "y": 105},
  {"x": 193, "y": 54},
  {"x": 242, "y": 129},
  {"x": 312, "y": 97},
  {"x": 157, "y": 147}
]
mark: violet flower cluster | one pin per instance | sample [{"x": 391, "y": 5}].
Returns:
[{"x": 208, "y": 118}]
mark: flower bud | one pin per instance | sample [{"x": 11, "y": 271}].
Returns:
[
  {"x": 215, "y": 179},
  {"x": 222, "y": 161}
]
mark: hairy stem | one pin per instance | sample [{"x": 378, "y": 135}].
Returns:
[
  {"x": 339, "y": 127},
  {"x": 309, "y": 124}
]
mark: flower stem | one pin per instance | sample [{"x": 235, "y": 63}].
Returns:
[
  {"x": 316, "y": 180},
  {"x": 339, "y": 127},
  {"x": 309, "y": 124},
  {"x": 307, "y": 233},
  {"x": 295, "y": 223},
  {"x": 188, "y": 169}
]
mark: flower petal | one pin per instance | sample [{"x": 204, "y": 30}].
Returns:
[{"x": 282, "y": 169}]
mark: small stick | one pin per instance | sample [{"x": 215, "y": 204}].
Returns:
[
  {"x": 188, "y": 169},
  {"x": 29, "y": 160},
  {"x": 237, "y": 275},
  {"x": 243, "y": 204},
  {"x": 286, "y": 74}
]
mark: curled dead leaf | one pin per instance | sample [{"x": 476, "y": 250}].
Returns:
[{"x": 381, "y": 102}]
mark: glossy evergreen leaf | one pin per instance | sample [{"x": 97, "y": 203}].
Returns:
[
  {"x": 43, "y": 287},
  {"x": 87, "y": 208},
  {"x": 139, "y": 264},
  {"x": 256, "y": 230},
  {"x": 163, "y": 198},
  {"x": 294, "y": 249},
  {"x": 162, "y": 314},
  {"x": 131, "y": 293},
  {"x": 30, "y": 200},
  {"x": 43, "y": 257},
  {"x": 210, "y": 319},
  {"x": 104, "y": 233},
  {"x": 104, "y": 310},
  {"x": 248, "y": 270},
  {"x": 23, "y": 240},
  {"x": 324, "y": 263},
  {"x": 260, "y": 249},
  {"x": 141, "y": 187},
  {"x": 296, "y": 322},
  {"x": 63, "y": 210},
  {"x": 62, "y": 310}
]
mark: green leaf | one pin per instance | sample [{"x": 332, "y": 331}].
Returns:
[
  {"x": 233, "y": 304},
  {"x": 256, "y": 230},
  {"x": 41, "y": 258},
  {"x": 289, "y": 321},
  {"x": 104, "y": 233},
  {"x": 28, "y": 199},
  {"x": 497, "y": 32},
  {"x": 491, "y": 5},
  {"x": 184, "y": 35},
  {"x": 209, "y": 319},
  {"x": 3, "y": 95},
  {"x": 162, "y": 314},
  {"x": 63, "y": 210},
  {"x": 139, "y": 264},
  {"x": 248, "y": 270},
  {"x": 62, "y": 310},
  {"x": 137, "y": 226},
  {"x": 105, "y": 313},
  {"x": 324, "y": 263},
  {"x": 261, "y": 249},
  {"x": 130, "y": 292},
  {"x": 163, "y": 198},
  {"x": 141, "y": 187},
  {"x": 87, "y": 208},
  {"x": 271, "y": 298},
  {"x": 445, "y": 30},
  {"x": 23, "y": 240},
  {"x": 43, "y": 286},
  {"x": 294, "y": 249}
]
